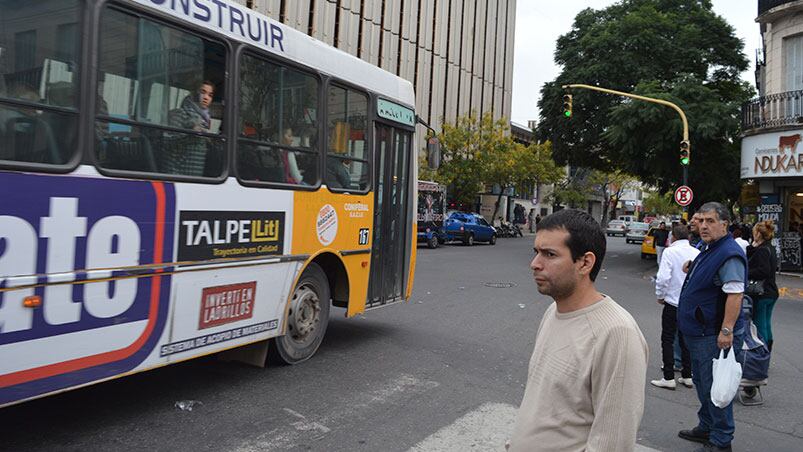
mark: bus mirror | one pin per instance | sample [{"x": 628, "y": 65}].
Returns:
[{"x": 433, "y": 153}]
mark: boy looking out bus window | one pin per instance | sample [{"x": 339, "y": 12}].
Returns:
[{"x": 187, "y": 154}]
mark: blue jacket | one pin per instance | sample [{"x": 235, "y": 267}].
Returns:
[{"x": 701, "y": 307}]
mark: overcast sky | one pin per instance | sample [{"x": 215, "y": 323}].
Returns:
[{"x": 538, "y": 25}]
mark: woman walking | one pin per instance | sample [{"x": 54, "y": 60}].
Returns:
[{"x": 761, "y": 266}]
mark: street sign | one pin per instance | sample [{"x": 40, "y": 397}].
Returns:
[{"x": 683, "y": 196}]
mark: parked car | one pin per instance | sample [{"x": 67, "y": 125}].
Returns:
[
  {"x": 648, "y": 244},
  {"x": 469, "y": 228},
  {"x": 616, "y": 227},
  {"x": 636, "y": 232}
]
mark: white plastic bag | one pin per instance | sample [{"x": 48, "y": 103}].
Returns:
[{"x": 727, "y": 376}]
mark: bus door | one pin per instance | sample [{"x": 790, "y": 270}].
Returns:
[{"x": 392, "y": 160}]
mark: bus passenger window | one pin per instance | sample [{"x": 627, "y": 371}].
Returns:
[
  {"x": 39, "y": 56},
  {"x": 348, "y": 155},
  {"x": 277, "y": 124},
  {"x": 159, "y": 99}
]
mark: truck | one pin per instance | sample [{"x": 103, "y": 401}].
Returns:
[{"x": 431, "y": 213}]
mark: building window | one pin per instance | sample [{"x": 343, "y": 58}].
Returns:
[{"x": 793, "y": 58}]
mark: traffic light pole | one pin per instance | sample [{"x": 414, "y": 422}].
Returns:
[{"x": 655, "y": 101}]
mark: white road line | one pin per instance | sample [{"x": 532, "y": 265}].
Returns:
[
  {"x": 309, "y": 427},
  {"x": 484, "y": 429}
]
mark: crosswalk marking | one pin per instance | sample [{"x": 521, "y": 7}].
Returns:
[{"x": 486, "y": 428}]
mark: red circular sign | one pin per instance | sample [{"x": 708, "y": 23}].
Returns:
[{"x": 683, "y": 196}]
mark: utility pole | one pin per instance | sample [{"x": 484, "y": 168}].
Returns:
[{"x": 685, "y": 145}]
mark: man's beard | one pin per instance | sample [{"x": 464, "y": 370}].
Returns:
[{"x": 559, "y": 290}]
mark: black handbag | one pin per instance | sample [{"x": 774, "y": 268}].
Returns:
[{"x": 755, "y": 288}]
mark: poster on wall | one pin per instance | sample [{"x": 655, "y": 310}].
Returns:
[{"x": 790, "y": 258}]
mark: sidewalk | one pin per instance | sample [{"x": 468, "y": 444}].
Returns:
[{"x": 790, "y": 286}]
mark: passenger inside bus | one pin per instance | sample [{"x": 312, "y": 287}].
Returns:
[
  {"x": 26, "y": 134},
  {"x": 337, "y": 173},
  {"x": 269, "y": 164},
  {"x": 187, "y": 153}
]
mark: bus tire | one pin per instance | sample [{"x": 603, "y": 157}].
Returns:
[{"x": 307, "y": 318}]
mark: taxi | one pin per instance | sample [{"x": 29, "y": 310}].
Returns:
[{"x": 648, "y": 245}]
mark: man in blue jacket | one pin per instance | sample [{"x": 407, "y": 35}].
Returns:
[{"x": 709, "y": 312}]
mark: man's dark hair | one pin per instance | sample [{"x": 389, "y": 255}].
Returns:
[
  {"x": 721, "y": 211},
  {"x": 680, "y": 231},
  {"x": 585, "y": 234}
]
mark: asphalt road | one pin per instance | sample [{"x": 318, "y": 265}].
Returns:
[{"x": 443, "y": 372}]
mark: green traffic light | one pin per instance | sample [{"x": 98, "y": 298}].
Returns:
[
  {"x": 684, "y": 161},
  {"x": 567, "y": 113}
]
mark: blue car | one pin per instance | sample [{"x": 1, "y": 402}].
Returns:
[{"x": 469, "y": 228}]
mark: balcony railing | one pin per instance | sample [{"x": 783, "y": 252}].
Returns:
[
  {"x": 774, "y": 110},
  {"x": 766, "y": 5}
]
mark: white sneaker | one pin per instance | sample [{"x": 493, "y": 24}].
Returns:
[
  {"x": 686, "y": 382},
  {"x": 663, "y": 383}
]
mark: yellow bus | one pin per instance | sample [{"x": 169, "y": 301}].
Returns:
[{"x": 184, "y": 177}]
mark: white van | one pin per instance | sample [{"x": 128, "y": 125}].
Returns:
[{"x": 627, "y": 218}]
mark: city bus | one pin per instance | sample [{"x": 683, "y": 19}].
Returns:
[{"x": 188, "y": 177}]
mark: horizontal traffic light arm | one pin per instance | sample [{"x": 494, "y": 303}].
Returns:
[{"x": 636, "y": 96}]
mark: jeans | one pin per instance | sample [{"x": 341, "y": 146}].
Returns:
[
  {"x": 669, "y": 332},
  {"x": 717, "y": 421},
  {"x": 762, "y": 315}
]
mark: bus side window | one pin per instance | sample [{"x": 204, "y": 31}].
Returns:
[
  {"x": 277, "y": 124},
  {"x": 347, "y": 158},
  {"x": 38, "y": 67},
  {"x": 159, "y": 99}
]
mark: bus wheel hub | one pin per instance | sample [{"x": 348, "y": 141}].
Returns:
[{"x": 305, "y": 313}]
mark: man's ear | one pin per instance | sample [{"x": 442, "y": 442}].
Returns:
[{"x": 587, "y": 262}]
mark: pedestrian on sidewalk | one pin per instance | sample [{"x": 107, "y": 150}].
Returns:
[
  {"x": 737, "y": 236},
  {"x": 709, "y": 317},
  {"x": 761, "y": 266},
  {"x": 668, "y": 283},
  {"x": 694, "y": 232},
  {"x": 585, "y": 388},
  {"x": 661, "y": 236},
  {"x": 531, "y": 220}
]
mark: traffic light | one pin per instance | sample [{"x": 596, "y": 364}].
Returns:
[
  {"x": 567, "y": 105},
  {"x": 685, "y": 152}
]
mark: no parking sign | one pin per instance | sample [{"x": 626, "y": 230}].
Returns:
[{"x": 683, "y": 195}]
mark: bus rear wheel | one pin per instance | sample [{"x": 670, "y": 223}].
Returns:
[{"x": 307, "y": 318}]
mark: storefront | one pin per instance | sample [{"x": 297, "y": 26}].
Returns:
[{"x": 774, "y": 163}]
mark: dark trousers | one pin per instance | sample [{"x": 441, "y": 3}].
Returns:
[{"x": 669, "y": 330}]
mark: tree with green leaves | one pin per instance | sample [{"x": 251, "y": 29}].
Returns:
[
  {"x": 611, "y": 185},
  {"x": 480, "y": 151},
  {"x": 660, "y": 203},
  {"x": 677, "y": 50}
]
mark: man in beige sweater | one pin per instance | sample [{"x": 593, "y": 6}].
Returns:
[{"x": 585, "y": 388}]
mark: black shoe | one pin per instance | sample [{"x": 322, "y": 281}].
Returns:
[
  {"x": 708, "y": 447},
  {"x": 695, "y": 435}
]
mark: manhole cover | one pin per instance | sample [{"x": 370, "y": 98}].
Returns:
[{"x": 500, "y": 285}]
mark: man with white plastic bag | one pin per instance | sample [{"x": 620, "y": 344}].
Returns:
[
  {"x": 709, "y": 317},
  {"x": 727, "y": 374}
]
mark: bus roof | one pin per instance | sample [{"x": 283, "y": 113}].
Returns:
[{"x": 251, "y": 27}]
